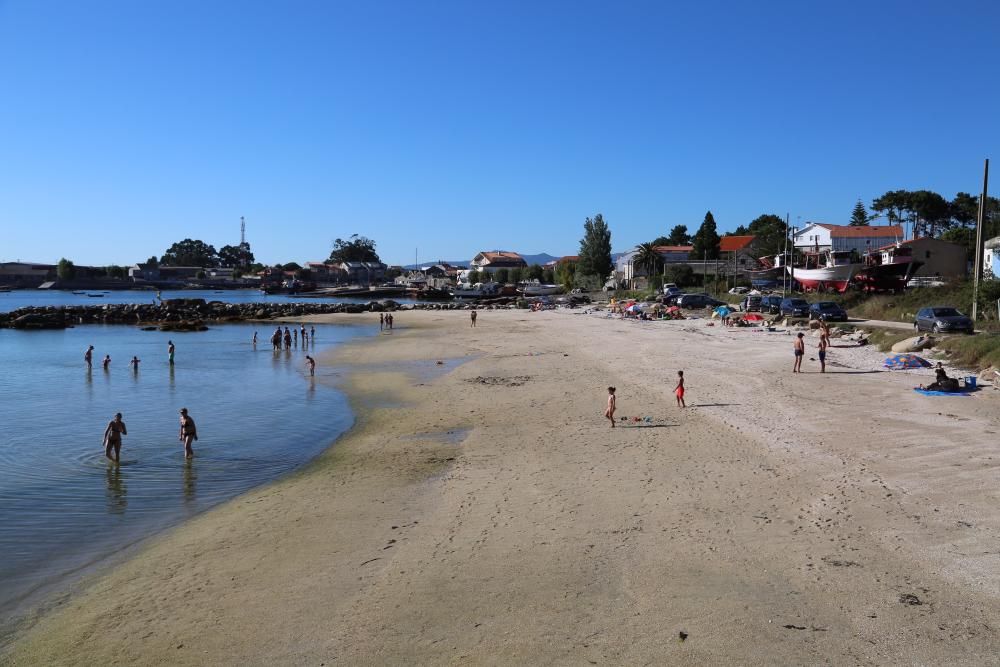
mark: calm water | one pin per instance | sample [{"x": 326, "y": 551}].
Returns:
[
  {"x": 19, "y": 298},
  {"x": 64, "y": 506}
]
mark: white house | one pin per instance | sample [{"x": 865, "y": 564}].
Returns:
[
  {"x": 862, "y": 238},
  {"x": 991, "y": 258},
  {"x": 488, "y": 262}
]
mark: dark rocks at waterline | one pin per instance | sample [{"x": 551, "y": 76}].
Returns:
[{"x": 192, "y": 314}]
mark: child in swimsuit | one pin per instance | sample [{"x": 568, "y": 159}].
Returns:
[
  {"x": 679, "y": 389},
  {"x": 610, "y": 412}
]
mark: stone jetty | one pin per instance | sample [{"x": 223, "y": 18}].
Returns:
[{"x": 193, "y": 314}]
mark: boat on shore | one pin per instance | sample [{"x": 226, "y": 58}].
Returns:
[
  {"x": 477, "y": 291},
  {"x": 828, "y": 271},
  {"x": 539, "y": 289},
  {"x": 887, "y": 269}
]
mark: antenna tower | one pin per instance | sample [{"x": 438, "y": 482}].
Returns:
[{"x": 243, "y": 231}]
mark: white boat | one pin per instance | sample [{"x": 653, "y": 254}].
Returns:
[
  {"x": 538, "y": 289},
  {"x": 827, "y": 271},
  {"x": 477, "y": 291}
]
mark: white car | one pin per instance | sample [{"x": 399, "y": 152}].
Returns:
[
  {"x": 739, "y": 290},
  {"x": 671, "y": 289}
]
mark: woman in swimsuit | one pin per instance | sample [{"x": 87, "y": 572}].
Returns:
[
  {"x": 188, "y": 434},
  {"x": 113, "y": 436}
]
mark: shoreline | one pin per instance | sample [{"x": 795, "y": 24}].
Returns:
[{"x": 482, "y": 511}]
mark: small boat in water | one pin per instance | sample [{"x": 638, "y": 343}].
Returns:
[{"x": 96, "y": 295}]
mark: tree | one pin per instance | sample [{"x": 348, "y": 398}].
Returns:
[
  {"x": 859, "y": 216},
  {"x": 473, "y": 277},
  {"x": 648, "y": 259},
  {"x": 534, "y": 272},
  {"x": 500, "y": 276},
  {"x": 769, "y": 232},
  {"x": 680, "y": 275},
  {"x": 928, "y": 212},
  {"x": 355, "y": 249},
  {"x": 595, "y": 249},
  {"x": 236, "y": 256},
  {"x": 65, "y": 269},
  {"x": 706, "y": 240},
  {"x": 190, "y": 253},
  {"x": 514, "y": 275},
  {"x": 153, "y": 263},
  {"x": 115, "y": 271},
  {"x": 565, "y": 274},
  {"x": 678, "y": 236},
  {"x": 291, "y": 266},
  {"x": 548, "y": 276},
  {"x": 661, "y": 240}
]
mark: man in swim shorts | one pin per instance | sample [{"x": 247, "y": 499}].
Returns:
[
  {"x": 800, "y": 349},
  {"x": 823, "y": 345}
]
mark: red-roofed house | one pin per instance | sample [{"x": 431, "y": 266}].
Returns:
[
  {"x": 739, "y": 252},
  {"x": 490, "y": 261},
  {"x": 862, "y": 238}
]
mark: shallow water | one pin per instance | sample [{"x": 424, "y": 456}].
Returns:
[
  {"x": 63, "y": 505},
  {"x": 20, "y": 298}
]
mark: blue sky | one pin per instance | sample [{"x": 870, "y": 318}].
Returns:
[{"x": 459, "y": 126}]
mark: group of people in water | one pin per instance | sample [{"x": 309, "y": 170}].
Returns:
[
  {"x": 116, "y": 429},
  {"x": 384, "y": 321},
  {"x": 289, "y": 337},
  {"x": 88, "y": 358}
]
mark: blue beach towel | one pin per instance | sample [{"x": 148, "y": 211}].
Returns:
[{"x": 928, "y": 392}]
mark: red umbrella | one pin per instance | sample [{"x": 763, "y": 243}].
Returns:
[{"x": 753, "y": 317}]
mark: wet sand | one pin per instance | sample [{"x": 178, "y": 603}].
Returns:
[{"x": 482, "y": 511}]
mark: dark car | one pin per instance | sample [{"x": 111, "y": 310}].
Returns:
[
  {"x": 827, "y": 311},
  {"x": 752, "y": 303},
  {"x": 698, "y": 301},
  {"x": 794, "y": 307},
  {"x": 941, "y": 319},
  {"x": 771, "y": 304}
]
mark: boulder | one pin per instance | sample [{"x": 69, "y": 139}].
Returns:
[{"x": 915, "y": 344}]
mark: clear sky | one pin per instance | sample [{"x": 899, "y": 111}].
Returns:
[{"x": 454, "y": 127}]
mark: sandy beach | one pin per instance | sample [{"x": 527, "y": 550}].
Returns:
[{"x": 482, "y": 511}]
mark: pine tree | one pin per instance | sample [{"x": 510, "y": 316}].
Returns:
[
  {"x": 706, "y": 240},
  {"x": 859, "y": 216}
]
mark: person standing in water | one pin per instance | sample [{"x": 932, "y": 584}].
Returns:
[
  {"x": 679, "y": 390},
  {"x": 88, "y": 356},
  {"x": 188, "y": 434},
  {"x": 304, "y": 336},
  {"x": 311, "y": 363},
  {"x": 254, "y": 342},
  {"x": 381, "y": 321},
  {"x": 295, "y": 335},
  {"x": 610, "y": 412},
  {"x": 288, "y": 339},
  {"x": 113, "y": 437},
  {"x": 170, "y": 352},
  {"x": 106, "y": 362},
  {"x": 134, "y": 364},
  {"x": 312, "y": 334}
]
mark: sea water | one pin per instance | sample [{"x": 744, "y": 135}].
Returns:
[{"x": 64, "y": 506}]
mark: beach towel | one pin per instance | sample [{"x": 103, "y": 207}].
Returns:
[{"x": 928, "y": 392}]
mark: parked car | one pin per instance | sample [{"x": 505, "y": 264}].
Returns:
[
  {"x": 671, "y": 299},
  {"x": 752, "y": 303},
  {"x": 827, "y": 311},
  {"x": 794, "y": 307},
  {"x": 699, "y": 301},
  {"x": 771, "y": 304},
  {"x": 941, "y": 319},
  {"x": 671, "y": 289},
  {"x": 739, "y": 290}
]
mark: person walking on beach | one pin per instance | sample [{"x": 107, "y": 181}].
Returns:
[
  {"x": 88, "y": 356},
  {"x": 610, "y": 412},
  {"x": 679, "y": 390},
  {"x": 106, "y": 362},
  {"x": 311, "y": 363},
  {"x": 170, "y": 352},
  {"x": 381, "y": 321},
  {"x": 800, "y": 350},
  {"x": 472, "y": 316},
  {"x": 188, "y": 434},
  {"x": 134, "y": 364},
  {"x": 113, "y": 437}
]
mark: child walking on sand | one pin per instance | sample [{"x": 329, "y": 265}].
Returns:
[
  {"x": 610, "y": 412},
  {"x": 679, "y": 389}
]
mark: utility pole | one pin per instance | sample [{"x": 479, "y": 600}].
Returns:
[
  {"x": 979, "y": 240},
  {"x": 784, "y": 260}
]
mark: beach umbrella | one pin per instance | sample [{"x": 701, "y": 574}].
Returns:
[
  {"x": 673, "y": 309},
  {"x": 722, "y": 311},
  {"x": 898, "y": 361},
  {"x": 635, "y": 308},
  {"x": 753, "y": 317}
]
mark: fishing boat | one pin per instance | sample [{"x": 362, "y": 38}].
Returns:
[
  {"x": 769, "y": 271},
  {"x": 827, "y": 271},
  {"x": 539, "y": 289},
  {"x": 477, "y": 291},
  {"x": 887, "y": 269}
]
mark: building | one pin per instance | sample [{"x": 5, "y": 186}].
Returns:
[
  {"x": 938, "y": 258},
  {"x": 632, "y": 276},
  {"x": 488, "y": 262},
  {"x": 144, "y": 271},
  {"x": 363, "y": 273},
  {"x": 26, "y": 274},
  {"x": 991, "y": 258},
  {"x": 818, "y": 236},
  {"x": 326, "y": 273}
]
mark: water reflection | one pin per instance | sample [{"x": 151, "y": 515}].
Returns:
[
  {"x": 171, "y": 380},
  {"x": 116, "y": 490},
  {"x": 190, "y": 481}
]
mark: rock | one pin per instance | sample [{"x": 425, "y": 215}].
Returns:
[{"x": 915, "y": 344}]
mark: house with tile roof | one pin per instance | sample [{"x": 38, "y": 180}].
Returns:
[
  {"x": 490, "y": 261},
  {"x": 861, "y": 238}
]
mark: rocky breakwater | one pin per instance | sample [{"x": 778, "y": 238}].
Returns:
[{"x": 193, "y": 314}]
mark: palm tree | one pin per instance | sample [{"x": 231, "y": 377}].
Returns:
[{"x": 647, "y": 258}]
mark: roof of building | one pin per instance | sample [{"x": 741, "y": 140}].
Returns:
[
  {"x": 733, "y": 243},
  {"x": 921, "y": 238},
  {"x": 862, "y": 231},
  {"x": 568, "y": 258},
  {"x": 674, "y": 248},
  {"x": 501, "y": 255}
]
